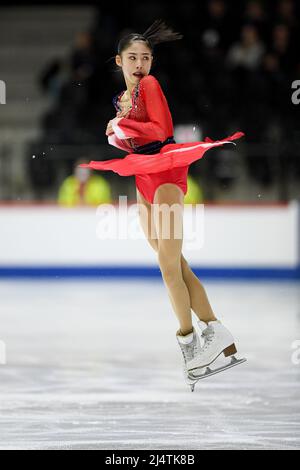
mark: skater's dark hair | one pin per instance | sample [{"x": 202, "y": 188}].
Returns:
[{"x": 157, "y": 33}]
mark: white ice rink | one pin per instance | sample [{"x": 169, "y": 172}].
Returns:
[{"x": 95, "y": 365}]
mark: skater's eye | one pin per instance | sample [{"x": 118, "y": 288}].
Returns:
[{"x": 132, "y": 57}]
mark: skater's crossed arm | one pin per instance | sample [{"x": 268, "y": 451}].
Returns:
[{"x": 157, "y": 110}]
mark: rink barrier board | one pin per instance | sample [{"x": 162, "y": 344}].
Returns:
[
  {"x": 229, "y": 205},
  {"x": 131, "y": 272},
  {"x": 32, "y": 271}
]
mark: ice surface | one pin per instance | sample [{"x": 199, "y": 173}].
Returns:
[{"x": 95, "y": 365}]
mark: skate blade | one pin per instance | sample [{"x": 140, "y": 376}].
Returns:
[{"x": 209, "y": 372}]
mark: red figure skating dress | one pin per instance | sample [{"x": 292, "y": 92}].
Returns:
[{"x": 147, "y": 135}]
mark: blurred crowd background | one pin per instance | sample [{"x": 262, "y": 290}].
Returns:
[{"x": 233, "y": 70}]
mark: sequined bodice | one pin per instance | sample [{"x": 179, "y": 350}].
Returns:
[
  {"x": 138, "y": 111},
  {"x": 149, "y": 121}
]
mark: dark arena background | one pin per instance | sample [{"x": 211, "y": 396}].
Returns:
[{"x": 88, "y": 353}]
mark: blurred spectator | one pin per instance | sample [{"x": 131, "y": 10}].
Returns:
[
  {"x": 53, "y": 77},
  {"x": 233, "y": 69},
  {"x": 226, "y": 168},
  {"x": 282, "y": 47},
  {"x": 249, "y": 51},
  {"x": 194, "y": 193},
  {"x": 69, "y": 120},
  {"x": 215, "y": 30},
  {"x": 255, "y": 14},
  {"x": 255, "y": 11},
  {"x": 286, "y": 13},
  {"x": 84, "y": 188},
  {"x": 82, "y": 60}
]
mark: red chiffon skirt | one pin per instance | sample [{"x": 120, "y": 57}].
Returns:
[{"x": 170, "y": 156}]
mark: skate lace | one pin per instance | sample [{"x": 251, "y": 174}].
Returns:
[
  {"x": 189, "y": 351},
  {"x": 208, "y": 336}
]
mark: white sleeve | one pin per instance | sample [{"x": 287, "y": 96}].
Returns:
[{"x": 116, "y": 142}]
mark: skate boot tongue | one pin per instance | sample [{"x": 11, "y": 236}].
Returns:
[
  {"x": 212, "y": 327},
  {"x": 202, "y": 325},
  {"x": 208, "y": 334}
]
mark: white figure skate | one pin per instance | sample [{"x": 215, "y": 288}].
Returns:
[
  {"x": 190, "y": 346},
  {"x": 217, "y": 340}
]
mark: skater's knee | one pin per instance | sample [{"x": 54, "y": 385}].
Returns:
[
  {"x": 184, "y": 265},
  {"x": 170, "y": 268},
  {"x": 187, "y": 270},
  {"x": 168, "y": 274}
]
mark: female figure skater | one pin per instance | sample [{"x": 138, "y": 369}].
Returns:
[{"x": 143, "y": 127}]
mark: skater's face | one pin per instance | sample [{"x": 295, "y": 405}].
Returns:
[{"x": 135, "y": 61}]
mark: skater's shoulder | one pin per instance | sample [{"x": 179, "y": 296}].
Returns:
[
  {"x": 149, "y": 79},
  {"x": 149, "y": 83}
]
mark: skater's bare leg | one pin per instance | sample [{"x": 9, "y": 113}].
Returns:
[
  {"x": 198, "y": 299},
  {"x": 168, "y": 215}
]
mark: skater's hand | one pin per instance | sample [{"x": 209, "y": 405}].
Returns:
[
  {"x": 109, "y": 129},
  {"x": 120, "y": 114}
]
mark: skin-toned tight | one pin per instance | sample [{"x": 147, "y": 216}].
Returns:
[{"x": 185, "y": 291}]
